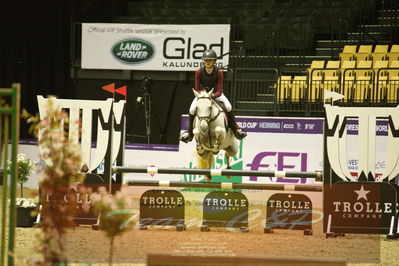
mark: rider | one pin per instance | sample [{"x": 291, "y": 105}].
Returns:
[{"x": 208, "y": 77}]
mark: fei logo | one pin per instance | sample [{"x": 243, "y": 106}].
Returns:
[{"x": 280, "y": 161}]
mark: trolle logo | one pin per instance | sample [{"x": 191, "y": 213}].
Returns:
[
  {"x": 362, "y": 207},
  {"x": 132, "y": 51},
  {"x": 225, "y": 203},
  {"x": 162, "y": 201}
]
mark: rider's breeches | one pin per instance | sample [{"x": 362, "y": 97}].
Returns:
[{"x": 221, "y": 98}]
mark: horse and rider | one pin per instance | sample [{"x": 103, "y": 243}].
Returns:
[
  {"x": 211, "y": 77},
  {"x": 211, "y": 119}
]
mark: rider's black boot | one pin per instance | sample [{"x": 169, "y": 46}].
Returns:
[
  {"x": 188, "y": 135},
  {"x": 238, "y": 133}
]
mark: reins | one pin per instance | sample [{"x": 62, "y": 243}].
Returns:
[{"x": 209, "y": 119}]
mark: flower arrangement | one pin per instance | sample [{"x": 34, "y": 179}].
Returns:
[
  {"x": 25, "y": 168},
  {"x": 26, "y": 203}
]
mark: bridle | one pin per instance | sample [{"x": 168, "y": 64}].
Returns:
[{"x": 208, "y": 118}]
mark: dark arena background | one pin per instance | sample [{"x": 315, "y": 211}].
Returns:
[{"x": 282, "y": 57}]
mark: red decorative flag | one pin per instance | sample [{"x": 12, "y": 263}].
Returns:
[
  {"x": 109, "y": 87},
  {"x": 121, "y": 90}
]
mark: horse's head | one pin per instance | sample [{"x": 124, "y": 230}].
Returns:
[{"x": 204, "y": 108}]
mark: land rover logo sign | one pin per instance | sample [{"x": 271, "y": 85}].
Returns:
[{"x": 133, "y": 51}]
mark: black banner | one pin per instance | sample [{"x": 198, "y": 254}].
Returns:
[
  {"x": 162, "y": 207},
  {"x": 289, "y": 211},
  {"x": 225, "y": 209}
]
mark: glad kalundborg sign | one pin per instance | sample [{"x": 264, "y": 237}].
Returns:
[{"x": 151, "y": 47}]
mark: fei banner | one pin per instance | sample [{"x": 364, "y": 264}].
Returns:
[{"x": 152, "y": 47}]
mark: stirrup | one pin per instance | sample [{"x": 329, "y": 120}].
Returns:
[{"x": 186, "y": 137}]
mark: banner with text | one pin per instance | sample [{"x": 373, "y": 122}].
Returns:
[{"x": 152, "y": 47}]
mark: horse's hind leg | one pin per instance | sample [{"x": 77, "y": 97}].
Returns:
[
  {"x": 210, "y": 164},
  {"x": 205, "y": 161},
  {"x": 230, "y": 151}
]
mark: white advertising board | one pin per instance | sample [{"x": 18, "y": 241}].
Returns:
[{"x": 152, "y": 47}]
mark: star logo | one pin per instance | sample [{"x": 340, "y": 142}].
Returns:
[{"x": 361, "y": 193}]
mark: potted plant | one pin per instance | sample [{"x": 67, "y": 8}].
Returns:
[
  {"x": 25, "y": 209},
  {"x": 25, "y": 169},
  {"x": 25, "y": 206}
]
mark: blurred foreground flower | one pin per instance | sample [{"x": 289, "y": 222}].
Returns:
[
  {"x": 58, "y": 178},
  {"x": 116, "y": 215}
]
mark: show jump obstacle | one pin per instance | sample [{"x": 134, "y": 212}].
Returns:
[
  {"x": 365, "y": 194},
  {"x": 217, "y": 172},
  {"x": 222, "y": 185}
]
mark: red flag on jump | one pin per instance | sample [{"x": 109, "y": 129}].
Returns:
[
  {"x": 121, "y": 90},
  {"x": 109, "y": 87}
]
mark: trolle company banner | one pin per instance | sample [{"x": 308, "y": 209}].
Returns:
[{"x": 151, "y": 47}]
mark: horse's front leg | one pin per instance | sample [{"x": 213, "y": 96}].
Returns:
[
  {"x": 196, "y": 133},
  {"x": 220, "y": 133}
]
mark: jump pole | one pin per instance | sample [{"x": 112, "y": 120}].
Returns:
[
  {"x": 222, "y": 185},
  {"x": 215, "y": 172}
]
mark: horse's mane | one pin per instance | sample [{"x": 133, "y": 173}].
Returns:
[{"x": 202, "y": 92}]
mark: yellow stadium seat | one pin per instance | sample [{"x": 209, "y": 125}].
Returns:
[
  {"x": 299, "y": 88},
  {"x": 393, "y": 82},
  {"x": 363, "y": 81},
  {"x": 364, "y": 53},
  {"x": 380, "y": 53},
  {"x": 379, "y": 48},
  {"x": 284, "y": 88},
  {"x": 316, "y": 64},
  {"x": 394, "y": 65},
  {"x": 332, "y": 64},
  {"x": 380, "y": 80},
  {"x": 347, "y": 79},
  {"x": 348, "y": 53},
  {"x": 364, "y": 68},
  {"x": 331, "y": 76},
  {"x": 316, "y": 83},
  {"x": 315, "y": 78},
  {"x": 393, "y": 53}
]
